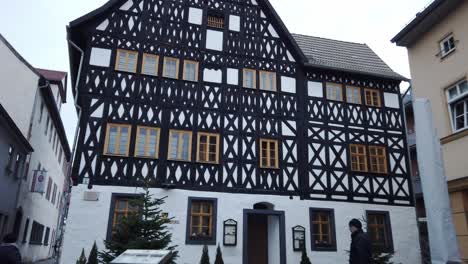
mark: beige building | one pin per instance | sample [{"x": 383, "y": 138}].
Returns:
[{"x": 437, "y": 43}]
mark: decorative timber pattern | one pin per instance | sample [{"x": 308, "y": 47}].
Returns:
[{"x": 313, "y": 133}]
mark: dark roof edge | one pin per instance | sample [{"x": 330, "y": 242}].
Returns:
[
  {"x": 394, "y": 78},
  {"x": 17, "y": 132},
  {"x": 49, "y": 99},
  {"x": 93, "y": 13},
  {"x": 16, "y": 53},
  {"x": 420, "y": 17}
]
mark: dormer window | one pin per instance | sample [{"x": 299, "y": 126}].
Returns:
[
  {"x": 447, "y": 45},
  {"x": 215, "y": 20}
]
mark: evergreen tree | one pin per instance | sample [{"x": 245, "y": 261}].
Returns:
[
  {"x": 305, "y": 259},
  {"x": 219, "y": 256},
  {"x": 205, "y": 258},
  {"x": 145, "y": 229},
  {"x": 82, "y": 259},
  {"x": 93, "y": 255}
]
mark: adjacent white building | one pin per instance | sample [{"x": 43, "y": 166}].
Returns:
[{"x": 33, "y": 98}]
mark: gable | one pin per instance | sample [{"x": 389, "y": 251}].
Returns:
[{"x": 253, "y": 28}]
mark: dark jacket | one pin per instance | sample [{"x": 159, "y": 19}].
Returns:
[
  {"x": 360, "y": 252},
  {"x": 9, "y": 254}
]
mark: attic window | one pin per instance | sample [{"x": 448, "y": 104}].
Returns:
[
  {"x": 447, "y": 45},
  {"x": 215, "y": 20}
]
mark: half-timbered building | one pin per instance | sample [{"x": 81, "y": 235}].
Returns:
[{"x": 263, "y": 141}]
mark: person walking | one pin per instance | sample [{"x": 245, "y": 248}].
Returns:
[
  {"x": 9, "y": 252},
  {"x": 360, "y": 252}
]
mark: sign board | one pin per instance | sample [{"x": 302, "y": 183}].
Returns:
[
  {"x": 133, "y": 256},
  {"x": 39, "y": 181}
]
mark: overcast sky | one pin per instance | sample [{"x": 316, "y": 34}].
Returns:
[{"x": 36, "y": 28}]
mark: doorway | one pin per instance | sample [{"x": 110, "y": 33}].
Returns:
[{"x": 264, "y": 237}]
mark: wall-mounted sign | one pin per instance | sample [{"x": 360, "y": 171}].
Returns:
[
  {"x": 298, "y": 238},
  {"x": 39, "y": 181},
  {"x": 230, "y": 233}
]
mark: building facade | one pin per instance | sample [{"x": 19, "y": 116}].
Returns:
[
  {"x": 32, "y": 98},
  {"x": 264, "y": 142},
  {"x": 437, "y": 47}
]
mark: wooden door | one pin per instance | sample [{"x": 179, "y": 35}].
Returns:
[{"x": 257, "y": 239}]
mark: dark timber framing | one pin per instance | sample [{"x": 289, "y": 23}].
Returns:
[
  {"x": 282, "y": 232},
  {"x": 313, "y": 156}
]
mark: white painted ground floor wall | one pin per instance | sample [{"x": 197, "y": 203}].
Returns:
[{"x": 87, "y": 222}]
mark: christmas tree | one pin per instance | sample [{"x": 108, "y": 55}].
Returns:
[
  {"x": 93, "y": 255},
  {"x": 145, "y": 229},
  {"x": 82, "y": 259},
  {"x": 219, "y": 256},
  {"x": 305, "y": 259},
  {"x": 205, "y": 258}
]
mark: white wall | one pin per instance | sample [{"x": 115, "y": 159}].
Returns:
[
  {"x": 18, "y": 85},
  {"x": 87, "y": 222},
  {"x": 273, "y": 239},
  {"x": 35, "y": 205}
]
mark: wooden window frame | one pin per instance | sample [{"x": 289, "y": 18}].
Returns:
[
  {"x": 179, "y": 150},
  {"x": 331, "y": 212},
  {"x": 156, "y": 156},
  {"x": 373, "y": 91},
  {"x": 177, "y": 67},
  {"x": 208, "y": 135},
  {"x": 388, "y": 229},
  {"x": 215, "y": 21},
  {"x": 327, "y": 94},
  {"x": 244, "y": 71},
  {"x": 350, "y": 90},
  {"x": 196, "y": 70},
  {"x": 268, "y": 165},
  {"x": 145, "y": 55},
  {"x": 377, "y": 156},
  {"x": 117, "y": 60},
  {"x": 117, "y": 146},
  {"x": 275, "y": 88},
  {"x": 114, "y": 198},
  {"x": 366, "y": 165},
  {"x": 209, "y": 241}
]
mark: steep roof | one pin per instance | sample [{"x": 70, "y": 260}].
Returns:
[
  {"x": 56, "y": 77},
  {"x": 16, "y": 132},
  {"x": 344, "y": 56},
  {"x": 424, "y": 21}
]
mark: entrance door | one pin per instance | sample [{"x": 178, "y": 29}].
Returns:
[{"x": 257, "y": 239}]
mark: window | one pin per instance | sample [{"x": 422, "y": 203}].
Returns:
[
  {"x": 372, "y": 97},
  {"x": 457, "y": 98},
  {"x": 117, "y": 140},
  {"x": 378, "y": 159},
  {"x": 171, "y": 68},
  {"x": 54, "y": 194},
  {"x": 37, "y": 232},
  {"x": 150, "y": 64},
  {"x": 11, "y": 151},
  {"x": 46, "y": 237},
  {"x": 180, "y": 145},
  {"x": 353, "y": 95},
  {"x": 147, "y": 142},
  {"x": 322, "y": 229},
  {"x": 126, "y": 61},
  {"x": 250, "y": 78},
  {"x": 334, "y": 92},
  {"x": 190, "y": 70},
  {"x": 447, "y": 45},
  {"x": 201, "y": 225},
  {"x": 269, "y": 154},
  {"x": 358, "y": 158},
  {"x": 25, "y": 231},
  {"x": 3, "y": 224},
  {"x": 215, "y": 21},
  {"x": 379, "y": 230},
  {"x": 267, "y": 81},
  {"x": 18, "y": 161},
  {"x": 123, "y": 208},
  {"x": 49, "y": 188},
  {"x": 41, "y": 113},
  {"x": 208, "y": 148},
  {"x": 47, "y": 125}
]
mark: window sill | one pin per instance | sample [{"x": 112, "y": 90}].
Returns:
[
  {"x": 115, "y": 155},
  {"x": 208, "y": 162},
  {"x": 35, "y": 243},
  {"x": 147, "y": 157},
  {"x": 179, "y": 160},
  {"x": 269, "y": 168},
  {"x": 170, "y": 78},
  {"x": 192, "y": 81},
  {"x": 200, "y": 242},
  {"x": 455, "y": 136},
  {"x": 446, "y": 55},
  {"x": 324, "y": 249},
  {"x": 126, "y": 72}
]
